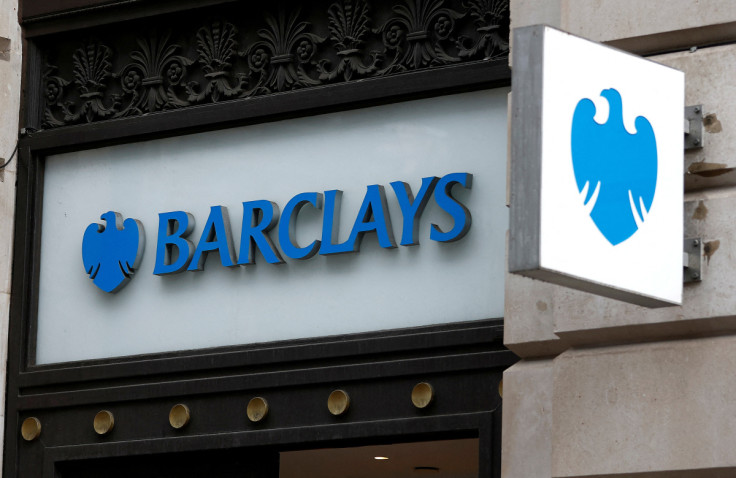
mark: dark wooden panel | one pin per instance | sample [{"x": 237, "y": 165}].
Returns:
[
  {"x": 298, "y": 377},
  {"x": 467, "y": 337},
  {"x": 36, "y": 8},
  {"x": 41, "y": 17},
  {"x": 254, "y": 462},
  {"x": 291, "y": 406},
  {"x": 125, "y": 455}
]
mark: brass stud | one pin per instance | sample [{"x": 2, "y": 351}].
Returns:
[
  {"x": 104, "y": 422},
  {"x": 30, "y": 429},
  {"x": 500, "y": 388},
  {"x": 338, "y": 402},
  {"x": 179, "y": 416},
  {"x": 422, "y": 395},
  {"x": 257, "y": 409}
]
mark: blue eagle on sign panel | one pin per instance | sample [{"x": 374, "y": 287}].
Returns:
[
  {"x": 113, "y": 252},
  {"x": 614, "y": 169}
]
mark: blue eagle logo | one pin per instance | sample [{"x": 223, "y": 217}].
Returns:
[
  {"x": 111, "y": 253},
  {"x": 615, "y": 171}
]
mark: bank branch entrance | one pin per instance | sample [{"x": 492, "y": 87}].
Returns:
[{"x": 290, "y": 279}]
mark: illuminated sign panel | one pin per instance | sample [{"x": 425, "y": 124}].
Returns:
[
  {"x": 262, "y": 199},
  {"x": 597, "y": 168}
]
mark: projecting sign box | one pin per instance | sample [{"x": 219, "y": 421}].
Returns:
[{"x": 597, "y": 168}]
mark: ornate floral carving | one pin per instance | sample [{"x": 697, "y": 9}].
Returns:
[
  {"x": 220, "y": 60},
  {"x": 53, "y": 92},
  {"x": 155, "y": 63},
  {"x": 416, "y": 34},
  {"x": 488, "y": 17},
  {"x": 92, "y": 68},
  {"x": 348, "y": 25},
  {"x": 216, "y": 46},
  {"x": 280, "y": 56}
]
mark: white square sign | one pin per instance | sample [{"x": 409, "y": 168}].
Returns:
[{"x": 597, "y": 168}]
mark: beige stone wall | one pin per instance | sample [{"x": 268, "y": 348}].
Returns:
[
  {"x": 10, "y": 73},
  {"x": 606, "y": 388},
  {"x": 642, "y": 26}
]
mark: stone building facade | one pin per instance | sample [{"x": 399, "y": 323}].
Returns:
[
  {"x": 610, "y": 389},
  {"x": 10, "y": 78},
  {"x": 602, "y": 388}
]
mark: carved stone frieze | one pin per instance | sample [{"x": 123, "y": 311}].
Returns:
[{"x": 230, "y": 52}]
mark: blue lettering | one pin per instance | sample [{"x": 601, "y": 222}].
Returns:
[
  {"x": 412, "y": 209},
  {"x": 330, "y": 225},
  {"x": 373, "y": 216},
  {"x": 287, "y": 226},
  {"x": 175, "y": 253},
  {"x": 259, "y": 217},
  {"x": 173, "y": 228},
  {"x": 215, "y": 237},
  {"x": 460, "y": 214}
]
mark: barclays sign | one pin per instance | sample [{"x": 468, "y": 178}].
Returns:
[
  {"x": 596, "y": 168},
  {"x": 112, "y": 252},
  {"x": 292, "y": 202}
]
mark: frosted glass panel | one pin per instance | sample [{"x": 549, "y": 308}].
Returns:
[{"x": 374, "y": 289}]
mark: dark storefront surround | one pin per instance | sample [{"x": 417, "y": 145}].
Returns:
[{"x": 87, "y": 85}]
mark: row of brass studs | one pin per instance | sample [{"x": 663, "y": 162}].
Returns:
[{"x": 338, "y": 404}]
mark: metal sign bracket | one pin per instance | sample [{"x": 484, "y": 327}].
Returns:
[
  {"x": 692, "y": 257},
  {"x": 693, "y": 127}
]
